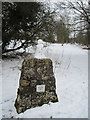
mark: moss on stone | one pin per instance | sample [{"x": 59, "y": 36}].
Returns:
[{"x": 35, "y": 72}]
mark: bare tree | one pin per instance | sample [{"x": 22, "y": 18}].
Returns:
[
  {"x": 79, "y": 15},
  {"x": 81, "y": 9},
  {"x": 82, "y": 16}
]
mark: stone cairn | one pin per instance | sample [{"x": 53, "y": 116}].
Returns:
[{"x": 36, "y": 85}]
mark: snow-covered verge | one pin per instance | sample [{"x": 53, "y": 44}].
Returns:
[
  {"x": 0, "y": 88},
  {"x": 71, "y": 72}
]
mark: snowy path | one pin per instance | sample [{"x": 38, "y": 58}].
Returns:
[{"x": 71, "y": 72}]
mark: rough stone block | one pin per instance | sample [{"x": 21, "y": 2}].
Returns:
[{"x": 36, "y": 85}]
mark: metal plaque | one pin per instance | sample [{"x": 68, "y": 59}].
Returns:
[{"x": 40, "y": 88}]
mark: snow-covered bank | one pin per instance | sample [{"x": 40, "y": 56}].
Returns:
[{"x": 71, "y": 72}]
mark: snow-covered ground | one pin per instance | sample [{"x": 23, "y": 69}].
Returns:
[{"x": 70, "y": 66}]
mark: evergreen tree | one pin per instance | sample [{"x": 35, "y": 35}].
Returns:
[
  {"x": 23, "y": 23},
  {"x": 62, "y": 32},
  {"x": 18, "y": 22}
]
